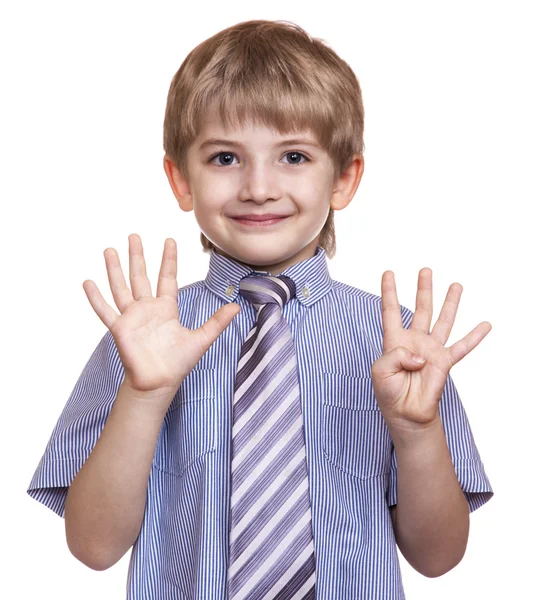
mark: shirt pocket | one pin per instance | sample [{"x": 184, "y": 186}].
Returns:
[
  {"x": 355, "y": 437},
  {"x": 189, "y": 428}
]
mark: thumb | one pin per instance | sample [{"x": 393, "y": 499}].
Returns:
[
  {"x": 399, "y": 359},
  {"x": 217, "y": 323}
]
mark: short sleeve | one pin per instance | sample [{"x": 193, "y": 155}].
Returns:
[
  {"x": 465, "y": 456},
  {"x": 79, "y": 426}
]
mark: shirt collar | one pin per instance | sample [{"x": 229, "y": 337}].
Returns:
[{"x": 311, "y": 277}]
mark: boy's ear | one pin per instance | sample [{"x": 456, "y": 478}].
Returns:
[
  {"x": 347, "y": 183},
  {"x": 179, "y": 184}
]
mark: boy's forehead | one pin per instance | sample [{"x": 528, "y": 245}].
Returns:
[{"x": 213, "y": 126}]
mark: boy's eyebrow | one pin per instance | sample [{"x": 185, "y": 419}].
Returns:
[{"x": 287, "y": 142}]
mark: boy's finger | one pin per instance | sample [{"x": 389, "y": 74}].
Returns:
[
  {"x": 442, "y": 328},
  {"x": 166, "y": 284},
  {"x": 139, "y": 281},
  {"x": 216, "y": 324},
  {"x": 107, "y": 315},
  {"x": 424, "y": 302},
  {"x": 121, "y": 294},
  {"x": 464, "y": 346},
  {"x": 390, "y": 308}
]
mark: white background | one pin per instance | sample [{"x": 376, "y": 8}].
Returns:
[{"x": 458, "y": 178}]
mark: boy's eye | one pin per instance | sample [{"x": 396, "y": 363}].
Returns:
[
  {"x": 226, "y": 158},
  {"x": 296, "y": 160}
]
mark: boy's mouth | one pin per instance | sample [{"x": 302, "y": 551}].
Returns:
[{"x": 260, "y": 220}]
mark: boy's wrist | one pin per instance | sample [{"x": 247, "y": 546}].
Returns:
[
  {"x": 152, "y": 402},
  {"x": 417, "y": 439}
]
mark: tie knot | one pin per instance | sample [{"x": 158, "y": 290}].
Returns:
[{"x": 267, "y": 289}]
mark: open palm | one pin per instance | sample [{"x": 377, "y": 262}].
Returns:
[
  {"x": 156, "y": 350},
  {"x": 407, "y": 392}
]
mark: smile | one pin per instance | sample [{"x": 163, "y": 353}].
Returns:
[{"x": 265, "y": 223}]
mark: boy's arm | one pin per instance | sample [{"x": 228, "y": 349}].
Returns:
[
  {"x": 105, "y": 503},
  {"x": 431, "y": 520},
  {"x": 431, "y": 517}
]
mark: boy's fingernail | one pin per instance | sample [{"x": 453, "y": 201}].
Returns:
[{"x": 418, "y": 359}]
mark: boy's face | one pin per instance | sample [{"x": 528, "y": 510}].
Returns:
[{"x": 257, "y": 171}]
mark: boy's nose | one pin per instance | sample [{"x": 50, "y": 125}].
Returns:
[{"x": 259, "y": 184}]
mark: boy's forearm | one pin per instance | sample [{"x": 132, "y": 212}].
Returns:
[
  {"x": 432, "y": 514},
  {"x": 105, "y": 503}
]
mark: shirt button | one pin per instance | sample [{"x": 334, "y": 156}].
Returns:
[
  {"x": 305, "y": 292},
  {"x": 230, "y": 290}
]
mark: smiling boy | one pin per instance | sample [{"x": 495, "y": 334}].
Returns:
[
  {"x": 263, "y": 137},
  {"x": 265, "y": 174}
]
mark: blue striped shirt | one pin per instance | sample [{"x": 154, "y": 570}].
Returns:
[{"x": 182, "y": 549}]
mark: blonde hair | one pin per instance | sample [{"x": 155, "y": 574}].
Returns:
[{"x": 274, "y": 74}]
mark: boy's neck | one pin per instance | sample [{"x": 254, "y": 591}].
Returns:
[{"x": 276, "y": 268}]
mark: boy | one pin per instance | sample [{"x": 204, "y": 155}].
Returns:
[{"x": 263, "y": 137}]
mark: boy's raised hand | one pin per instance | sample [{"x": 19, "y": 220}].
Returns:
[
  {"x": 407, "y": 392},
  {"x": 157, "y": 352}
]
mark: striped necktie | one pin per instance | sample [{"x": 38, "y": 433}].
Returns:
[{"x": 271, "y": 541}]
